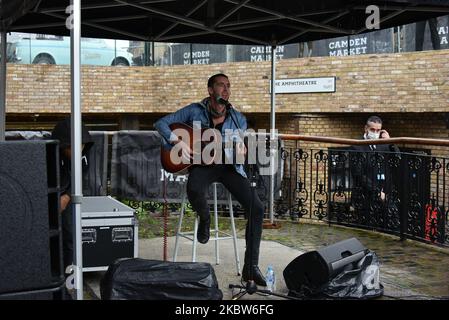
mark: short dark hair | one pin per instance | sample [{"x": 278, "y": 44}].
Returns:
[
  {"x": 374, "y": 119},
  {"x": 211, "y": 81}
]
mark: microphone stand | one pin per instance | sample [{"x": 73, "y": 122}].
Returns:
[{"x": 251, "y": 286}]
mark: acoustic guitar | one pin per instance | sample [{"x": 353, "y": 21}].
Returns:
[{"x": 171, "y": 158}]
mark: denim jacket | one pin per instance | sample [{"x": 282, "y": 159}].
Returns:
[{"x": 197, "y": 113}]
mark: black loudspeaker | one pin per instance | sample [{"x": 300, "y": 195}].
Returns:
[
  {"x": 56, "y": 293},
  {"x": 30, "y": 228},
  {"x": 315, "y": 268}
]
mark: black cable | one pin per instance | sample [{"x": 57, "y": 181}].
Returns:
[{"x": 229, "y": 109}]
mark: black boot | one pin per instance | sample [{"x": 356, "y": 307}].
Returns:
[
  {"x": 257, "y": 276},
  {"x": 203, "y": 232}
]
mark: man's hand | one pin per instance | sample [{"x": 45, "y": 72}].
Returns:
[
  {"x": 384, "y": 134},
  {"x": 382, "y": 196},
  {"x": 240, "y": 150},
  {"x": 64, "y": 200}
]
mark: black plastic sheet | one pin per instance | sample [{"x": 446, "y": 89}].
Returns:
[
  {"x": 361, "y": 282},
  {"x": 141, "y": 279}
]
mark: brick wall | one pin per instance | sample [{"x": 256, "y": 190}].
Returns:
[
  {"x": 407, "y": 82},
  {"x": 422, "y": 125},
  {"x": 410, "y": 91}
]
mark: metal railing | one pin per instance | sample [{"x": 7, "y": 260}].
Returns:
[{"x": 402, "y": 193}]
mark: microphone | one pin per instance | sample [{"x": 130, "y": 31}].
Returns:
[
  {"x": 228, "y": 106},
  {"x": 221, "y": 100}
]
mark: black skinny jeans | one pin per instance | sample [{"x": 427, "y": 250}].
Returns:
[{"x": 201, "y": 177}]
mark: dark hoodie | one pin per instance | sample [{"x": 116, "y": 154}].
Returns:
[{"x": 62, "y": 133}]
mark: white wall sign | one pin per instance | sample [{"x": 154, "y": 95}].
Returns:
[{"x": 305, "y": 85}]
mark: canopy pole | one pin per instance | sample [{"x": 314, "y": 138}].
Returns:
[
  {"x": 273, "y": 128},
  {"x": 75, "y": 71},
  {"x": 3, "y": 46}
]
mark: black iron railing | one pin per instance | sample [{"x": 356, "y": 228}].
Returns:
[{"x": 401, "y": 193}]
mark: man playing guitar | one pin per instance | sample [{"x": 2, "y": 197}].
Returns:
[{"x": 216, "y": 112}]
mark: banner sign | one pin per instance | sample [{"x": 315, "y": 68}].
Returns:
[
  {"x": 431, "y": 34},
  {"x": 137, "y": 173},
  {"x": 263, "y": 53},
  {"x": 380, "y": 41},
  {"x": 200, "y": 53}
]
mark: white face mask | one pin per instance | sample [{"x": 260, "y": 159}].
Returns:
[{"x": 372, "y": 135}]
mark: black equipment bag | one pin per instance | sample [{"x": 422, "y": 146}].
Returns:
[{"x": 141, "y": 279}]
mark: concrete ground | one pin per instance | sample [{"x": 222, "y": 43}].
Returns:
[
  {"x": 408, "y": 270},
  {"x": 271, "y": 253}
]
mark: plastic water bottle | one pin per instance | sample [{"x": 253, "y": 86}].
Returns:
[{"x": 270, "y": 278}]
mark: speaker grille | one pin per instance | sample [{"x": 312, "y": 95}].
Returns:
[{"x": 25, "y": 261}]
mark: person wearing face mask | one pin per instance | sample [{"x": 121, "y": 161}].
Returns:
[
  {"x": 215, "y": 112},
  {"x": 373, "y": 130},
  {"x": 370, "y": 170}
]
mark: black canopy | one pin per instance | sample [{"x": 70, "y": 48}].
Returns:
[{"x": 214, "y": 21}]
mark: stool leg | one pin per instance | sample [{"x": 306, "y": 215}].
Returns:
[
  {"x": 234, "y": 235},
  {"x": 217, "y": 248},
  {"x": 181, "y": 216},
  {"x": 195, "y": 241}
]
